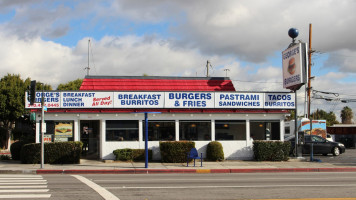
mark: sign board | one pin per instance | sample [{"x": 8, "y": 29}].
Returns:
[
  {"x": 51, "y": 99},
  {"x": 63, "y": 130},
  {"x": 47, "y": 138},
  {"x": 185, "y": 100},
  {"x": 189, "y": 100},
  {"x": 87, "y": 100},
  {"x": 139, "y": 99},
  {"x": 279, "y": 100},
  {"x": 294, "y": 61},
  {"x": 239, "y": 100}
]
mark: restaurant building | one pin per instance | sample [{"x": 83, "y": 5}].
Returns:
[{"x": 107, "y": 113}]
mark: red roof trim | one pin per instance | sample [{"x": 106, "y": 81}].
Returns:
[{"x": 157, "y": 85}]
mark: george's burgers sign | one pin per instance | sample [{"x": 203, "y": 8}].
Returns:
[{"x": 294, "y": 61}]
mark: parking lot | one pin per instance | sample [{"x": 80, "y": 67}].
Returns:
[{"x": 349, "y": 157}]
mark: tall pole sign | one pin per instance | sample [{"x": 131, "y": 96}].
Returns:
[{"x": 294, "y": 60}]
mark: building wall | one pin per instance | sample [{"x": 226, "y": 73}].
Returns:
[{"x": 234, "y": 149}]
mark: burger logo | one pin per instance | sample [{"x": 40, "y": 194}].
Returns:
[{"x": 291, "y": 66}]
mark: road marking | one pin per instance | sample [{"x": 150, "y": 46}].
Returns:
[
  {"x": 29, "y": 183},
  {"x": 22, "y": 186},
  {"x": 311, "y": 199},
  {"x": 21, "y": 178},
  {"x": 22, "y": 181},
  {"x": 24, "y": 191},
  {"x": 100, "y": 190},
  {"x": 25, "y": 196},
  {"x": 228, "y": 186}
]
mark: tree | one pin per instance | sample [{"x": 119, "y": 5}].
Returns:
[
  {"x": 71, "y": 85},
  {"x": 330, "y": 117},
  {"x": 45, "y": 86},
  {"x": 12, "y": 103},
  {"x": 346, "y": 115}
]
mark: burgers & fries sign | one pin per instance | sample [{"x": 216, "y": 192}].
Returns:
[{"x": 294, "y": 61}]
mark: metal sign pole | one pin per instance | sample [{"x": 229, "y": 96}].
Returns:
[
  {"x": 146, "y": 140},
  {"x": 42, "y": 130},
  {"x": 296, "y": 125}
]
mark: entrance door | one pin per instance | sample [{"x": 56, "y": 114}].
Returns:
[{"x": 90, "y": 136}]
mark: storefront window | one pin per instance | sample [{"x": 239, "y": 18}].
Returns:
[
  {"x": 121, "y": 130},
  {"x": 230, "y": 130},
  {"x": 195, "y": 130},
  {"x": 160, "y": 130},
  {"x": 265, "y": 130},
  {"x": 59, "y": 131}
]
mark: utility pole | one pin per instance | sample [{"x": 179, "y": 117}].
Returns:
[
  {"x": 88, "y": 68},
  {"x": 309, "y": 67}
]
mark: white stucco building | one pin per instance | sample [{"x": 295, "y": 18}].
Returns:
[{"x": 108, "y": 112}]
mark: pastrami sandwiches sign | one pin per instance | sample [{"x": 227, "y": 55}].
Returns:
[{"x": 294, "y": 61}]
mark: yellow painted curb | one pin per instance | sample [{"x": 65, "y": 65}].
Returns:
[{"x": 203, "y": 170}]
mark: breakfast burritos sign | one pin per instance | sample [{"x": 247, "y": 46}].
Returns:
[
  {"x": 221, "y": 100},
  {"x": 294, "y": 61}
]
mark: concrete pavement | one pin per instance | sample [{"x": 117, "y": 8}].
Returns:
[{"x": 227, "y": 166}]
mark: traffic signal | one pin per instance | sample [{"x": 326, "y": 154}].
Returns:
[{"x": 32, "y": 93}]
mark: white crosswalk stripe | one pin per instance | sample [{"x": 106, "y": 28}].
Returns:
[{"x": 23, "y": 186}]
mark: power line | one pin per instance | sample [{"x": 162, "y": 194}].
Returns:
[{"x": 258, "y": 81}]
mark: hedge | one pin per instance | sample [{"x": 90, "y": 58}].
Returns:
[
  {"x": 54, "y": 153},
  {"x": 214, "y": 151},
  {"x": 175, "y": 151},
  {"x": 271, "y": 150},
  {"x": 15, "y": 149},
  {"x": 131, "y": 154}
]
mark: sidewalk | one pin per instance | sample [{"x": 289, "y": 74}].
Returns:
[{"x": 228, "y": 166}]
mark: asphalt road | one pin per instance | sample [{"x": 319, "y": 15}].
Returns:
[
  {"x": 347, "y": 158},
  {"x": 205, "y": 186},
  {"x": 186, "y": 186}
]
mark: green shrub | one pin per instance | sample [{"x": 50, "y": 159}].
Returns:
[
  {"x": 271, "y": 150},
  {"x": 54, "y": 153},
  {"x": 15, "y": 150},
  {"x": 131, "y": 154},
  {"x": 214, "y": 151},
  {"x": 4, "y": 157},
  {"x": 176, "y": 151}
]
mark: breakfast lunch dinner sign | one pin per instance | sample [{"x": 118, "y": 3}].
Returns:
[{"x": 294, "y": 61}]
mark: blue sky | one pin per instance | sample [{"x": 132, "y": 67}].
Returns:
[{"x": 48, "y": 40}]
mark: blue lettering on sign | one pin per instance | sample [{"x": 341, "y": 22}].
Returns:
[
  {"x": 73, "y": 104},
  {"x": 239, "y": 104},
  {"x": 279, "y": 97},
  {"x": 291, "y": 53},
  {"x": 139, "y": 96},
  {"x": 190, "y": 96},
  {"x": 292, "y": 79},
  {"x": 242, "y": 97},
  {"x": 279, "y": 104}
]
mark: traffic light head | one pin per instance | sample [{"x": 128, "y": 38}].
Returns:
[{"x": 32, "y": 93}]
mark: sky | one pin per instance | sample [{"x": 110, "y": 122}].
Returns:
[{"x": 50, "y": 41}]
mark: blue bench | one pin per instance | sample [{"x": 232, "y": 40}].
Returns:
[{"x": 193, "y": 154}]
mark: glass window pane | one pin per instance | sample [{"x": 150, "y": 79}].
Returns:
[
  {"x": 230, "y": 130},
  {"x": 60, "y": 131},
  {"x": 122, "y": 130},
  {"x": 195, "y": 130},
  {"x": 265, "y": 130},
  {"x": 160, "y": 130}
]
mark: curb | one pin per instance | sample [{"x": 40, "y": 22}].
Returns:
[{"x": 190, "y": 171}]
